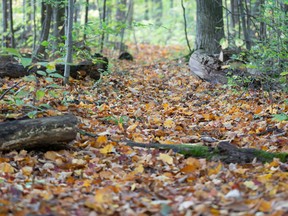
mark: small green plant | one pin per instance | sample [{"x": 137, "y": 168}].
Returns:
[
  {"x": 116, "y": 119},
  {"x": 280, "y": 117}
]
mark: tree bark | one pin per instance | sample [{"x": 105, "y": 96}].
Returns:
[
  {"x": 146, "y": 12},
  {"x": 158, "y": 5},
  {"x": 45, "y": 29},
  {"x": 86, "y": 20},
  {"x": 102, "y": 23},
  {"x": 5, "y": 23},
  {"x": 121, "y": 19},
  {"x": 69, "y": 41},
  {"x": 37, "y": 133},
  {"x": 58, "y": 25},
  {"x": 209, "y": 26},
  {"x": 12, "y": 40}
]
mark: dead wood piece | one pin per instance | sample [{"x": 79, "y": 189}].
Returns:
[
  {"x": 125, "y": 56},
  {"x": 79, "y": 71},
  {"x": 13, "y": 70},
  {"x": 206, "y": 67},
  {"x": 229, "y": 153},
  {"x": 225, "y": 151},
  {"x": 37, "y": 133}
]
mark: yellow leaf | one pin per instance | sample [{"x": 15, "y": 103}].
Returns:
[
  {"x": 208, "y": 116},
  {"x": 87, "y": 183},
  {"x": 167, "y": 142},
  {"x": 251, "y": 185},
  {"x": 139, "y": 169},
  {"x": 6, "y": 168},
  {"x": 169, "y": 123},
  {"x": 79, "y": 162},
  {"x": 103, "y": 195},
  {"x": 132, "y": 127},
  {"x": 107, "y": 149},
  {"x": 215, "y": 170},
  {"x": 27, "y": 170},
  {"x": 192, "y": 164},
  {"x": 120, "y": 125},
  {"x": 166, "y": 158},
  {"x": 265, "y": 206},
  {"x": 165, "y": 106},
  {"x": 102, "y": 140},
  {"x": 189, "y": 169},
  {"x": 258, "y": 110},
  {"x": 52, "y": 155},
  {"x": 264, "y": 178}
]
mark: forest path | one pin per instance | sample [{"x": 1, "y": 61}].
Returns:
[{"x": 158, "y": 102}]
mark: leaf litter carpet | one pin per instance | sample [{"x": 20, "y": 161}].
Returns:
[{"x": 157, "y": 101}]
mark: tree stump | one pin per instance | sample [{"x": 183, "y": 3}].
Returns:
[{"x": 207, "y": 67}]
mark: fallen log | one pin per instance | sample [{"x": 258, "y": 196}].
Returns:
[
  {"x": 37, "y": 133},
  {"x": 224, "y": 151},
  {"x": 13, "y": 69}
]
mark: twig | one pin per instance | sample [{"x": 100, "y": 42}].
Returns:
[
  {"x": 185, "y": 26},
  {"x": 7, "y": 90}
]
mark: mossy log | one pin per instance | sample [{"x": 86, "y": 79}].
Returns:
[
  {"x": 41, "y": 133},
  {"x": 224, "y": 151}
]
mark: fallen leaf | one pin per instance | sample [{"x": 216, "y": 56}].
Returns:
[
  {"x": 166, "y": 158},
  {"x": 107, "y": 149},
  {"x": 102, "y": 140},
  {"x": 6, "y": 168},
  {"x": 169, "y": 123}
]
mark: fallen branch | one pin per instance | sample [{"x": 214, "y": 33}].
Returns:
[
  {"x": 224, "y": 151},
  {"x": 7, "y": 90}
]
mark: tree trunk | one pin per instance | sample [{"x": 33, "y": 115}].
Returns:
[
  {"x": 210, "y": 25},
  {"x": 158, "y": 5},
  {"x": 244, "y": 24},
  {"x": 58, "y": 25},
  {"x": 171, "y": 4},
  {"x": 86, "y": 20},
  {"x": 103, "y": 21},
  {"x": 12, "y": 40},
  {"x": 33, "y": 5},
  {"x": 5, "y": 23},
  {"x": 37, "y": 133},
  {"x": 69, "y": 41},
  {"x": 146, "y": 12},
  {"x": 45, "y": 29},
  {"x": 121, "y": 19},
  {"x": 234, "y": 14}
]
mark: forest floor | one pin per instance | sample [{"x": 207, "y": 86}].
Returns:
[{"x": 151, "y": 99}]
